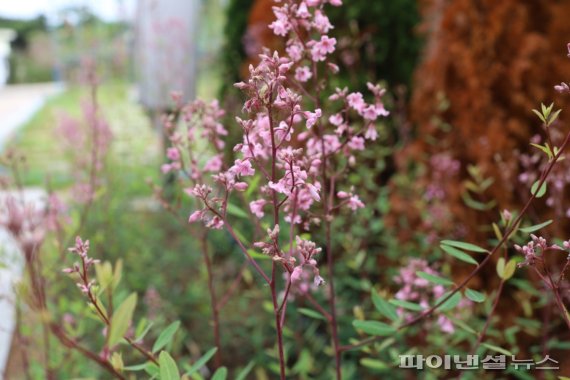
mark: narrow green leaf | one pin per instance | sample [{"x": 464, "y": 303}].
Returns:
[
  {"x": 536, "y": 227},
  {"x": 407, "y": 305},
  {"x": 474, "y": 295},
  {"x": 165, "y": 336},
  {"x": 461, "y": 245},
  {"x": 450, "y": 303},
  {"x": 310, "y": 313},
  {"x": 220, "y": 374},
  {"x": 537, "y": 113},
  {"x": 384, "y": 307},
  {"x": 498, "y": 349},
  {"x": 121, "y": 319},
  {"x": 460, "y": 255},
  {"x": 236, "y": 211},
  {"x": 544, "y": 148},
  {"x": 142, "y": 329},
  {"x": 244, "y": 372},
  {"x": 374, "y": 327},
  {"x": 201, "y": 362},
  {"x": 168, "y": 368},
  {"x": 434, "y": 279},
  {"x": 538, "y": 193},
  {"x": 374, "y": 364},
  {"x": 136, "y": 367}
]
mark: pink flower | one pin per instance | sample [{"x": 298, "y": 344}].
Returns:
[
  {"x": 173, "y": 154},
  {"x": 256, "y": 207},
  {"x": 335, "y": 3},
  {"x": 314, "y": 191},
  {"x": 356, "y": 101},
  {"x": 336, "y": 119},
  {"x": 371, "y": 133},
  {"x": 354, "y": 203},
  {"x": 323, "y": 47},
  {"x": 369, "y": 113},
  {"x": 216, "y": 223},
  {"x": 214, "y": 164},
  {"x": 240, "y": 186},
  {"x": 312, "y": 117},
  {"x": 165, "y": 168},
  {"x": 356, "y": 143},
  {"x": 303, "y": 11},
  {"x": 196, "y": 216},
  {"x": 280, "y": 27},
  {"x": 445, "y": 324},
  {"x": 303, "y": 74},
  {"x": 322, "y": 23},
  {"x": 562, "y": 88},
  {"x": 296, "y": 274},
  {"x": 295, "y": 52},
  {"x": 242, "y": 168}
]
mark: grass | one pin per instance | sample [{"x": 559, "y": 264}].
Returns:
[{"x": 135, "y": 148}]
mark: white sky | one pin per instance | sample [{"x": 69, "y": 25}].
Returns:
[{"x": 107, "y": 9}]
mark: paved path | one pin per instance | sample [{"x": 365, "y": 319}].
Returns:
[{"x": 18, "y": 103}]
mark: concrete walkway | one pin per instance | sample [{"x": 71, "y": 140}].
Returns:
[{"x": 17, "y": 105}]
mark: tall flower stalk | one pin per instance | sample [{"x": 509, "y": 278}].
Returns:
[{"x": 298, "y": 147}]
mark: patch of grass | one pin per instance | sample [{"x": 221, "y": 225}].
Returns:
[{"x": 135, "y": 149}]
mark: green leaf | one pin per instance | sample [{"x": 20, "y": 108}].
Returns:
[
  {"x": 236, "y": 211},
  {"x": 373, "y": 364},
  {"x": 407, "y": 305},
  {"x": 117, "y": 274},
  {"x": 121, "y": 319},
  {"x": 460, "y": 255},
  {"x": 465, "y": 246},
  {"x": 374, "y": 327},
  {"x": 142, "y": 329},
  {"x": 244, "y": 372},
  {"x": 501, "y": 267},
  {"x": 136, "y": 367},
  {"x": 545, "y": 148},
  {"x": 474, "y": 295},
  {"x": 168, "y": 368},
  {"x": 220, "y": 374},
  {"x": 509, "y": 269},
  {"x": 535, "y": 227},
  {"x": 538, "y": 193},
  {"x": 152, "y": 369},
  {"x": 434, "y": 279},
  {"x": 384, "y": 307},
  {"x": 537, "y": 113},
  {"x": 165, "y": 336},
  {"x": 198, "y": 364},
  {"x": 450, "y": 303},
  {"x": 498, "y": 349},
  {"x": 310, "y": 313},
  {"x": 506, "y": 271}
]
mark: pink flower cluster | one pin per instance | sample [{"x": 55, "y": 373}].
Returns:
[
  {"x": 81, "y": 249},
  {"x": 28, "y": 224},
  {"x": 87, "y": 141},
  {"x": 534, "y": 250},
  {"x": 290, "y": 139},
  {"x": 420, "y": 291}
]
